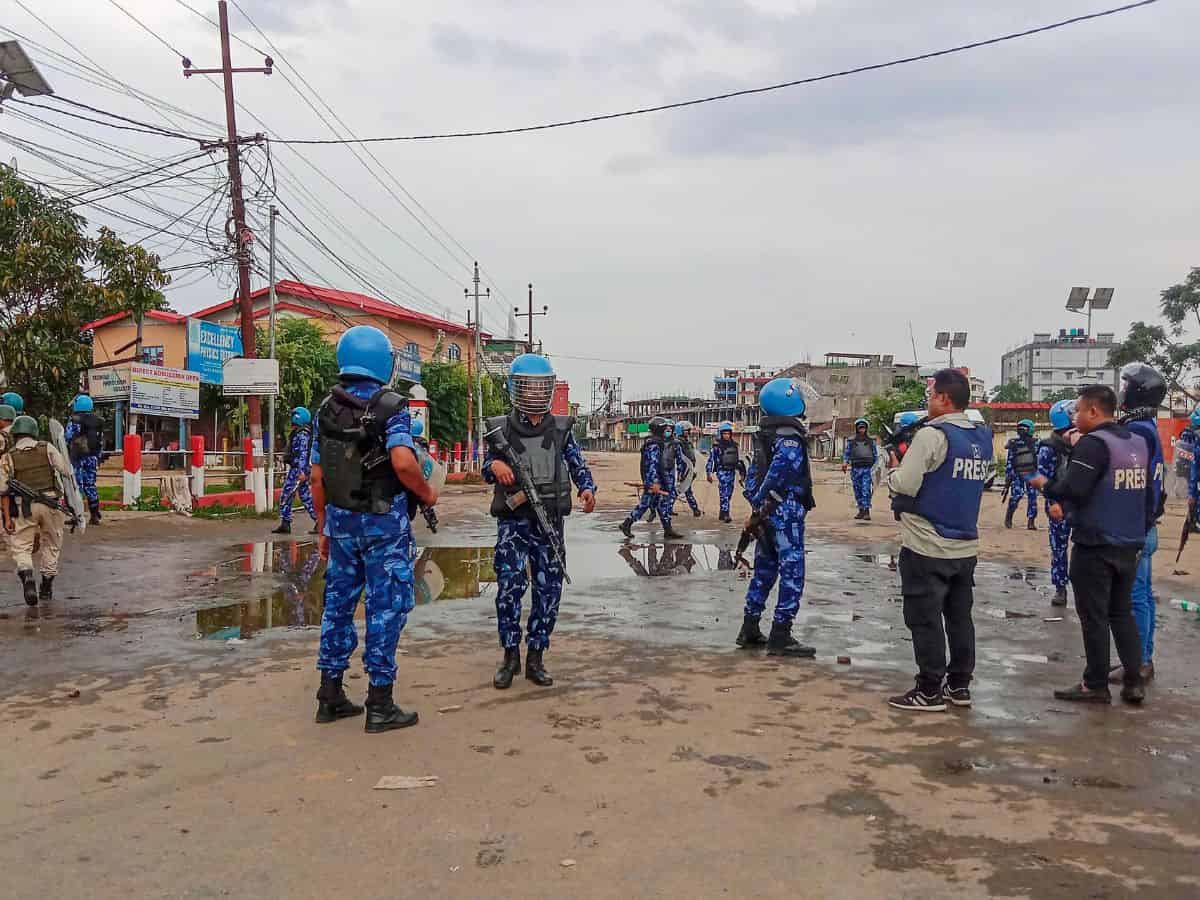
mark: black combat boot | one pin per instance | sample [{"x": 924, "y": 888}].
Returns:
[
  {"x": 1032, "y": 526},
  {"x": 751, "y": 634},
  {"x": 382, "y": 713},
  {"x": 1008, "y": 516},
  {"x": 30, "y": 586},
  {"x": 627, "y": 527},
  {"x": 46, "y": 590},
  {"x": 866, "y": 515},
  {"x": 535, "y": 671},
  {"x": 781, "y": 643},
  {"x": 284, "y": 528},
  {"x": 671, "y": 534},
  {"x": 858, "y": 516},
  {"x": 1060, "y": 597},
  {"x": 725, "y": 517},
  {"x": 94, "y": 506},
  {"x": 697, "y": 513},
  {"x": 332, "y": 702},
  {"x": 508, "y": 669}
]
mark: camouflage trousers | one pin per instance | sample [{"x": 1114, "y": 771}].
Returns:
[
  {"x": 521, "y": 553},
  {"x": 85, "y": 477},
  {"x": 1020, "y": 488},
  {"x": 860, "y": 480},
  {"x": 292, "y": 485},
  {"x": 1060, "y": 537},
  {"x": 779, "y": 556}
]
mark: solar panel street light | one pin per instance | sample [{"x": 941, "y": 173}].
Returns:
[
  {"x": 942, "y": 342},
  {"x": 1102, "y": 299},
  {"x": 959, "y": 339},
  {"x": 1077, "y": 298},
  {"x": 1076, "y": 301}
]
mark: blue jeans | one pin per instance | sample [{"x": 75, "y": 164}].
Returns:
[{"x": 1143, "y": 596}]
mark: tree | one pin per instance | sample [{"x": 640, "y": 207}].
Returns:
[
  {"x": 307, "y": 366},
  {"x": 881, "y": 409},
  {"x": 1012, "y": 392},
  {"x": 447, "y": 385},
  {"x": 1167, "y": 348},
  {"x": 1064, "y": 394},
  {"x": 46, "y": 293}
]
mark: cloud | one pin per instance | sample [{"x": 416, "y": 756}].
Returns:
[
  {"x": 283, "y": 16},
  {"x": 457, "y": 45}
]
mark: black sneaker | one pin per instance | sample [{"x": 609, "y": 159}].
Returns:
[
  {"x": 919, "y": 702},
  {"x": 1078, "y": 693},
  {"x": 957, "y": 696}
]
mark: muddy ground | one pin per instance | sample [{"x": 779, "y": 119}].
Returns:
[{"x": 158, "y": 742}]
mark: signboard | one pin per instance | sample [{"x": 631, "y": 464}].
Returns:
[
  {"x": 159, "y": 391},
  {"x": 407, "y": 366},
  {"x": 208, "y": 346},
  {"x": 109, "y": 384},
  {"x": 250, "y": 377}
]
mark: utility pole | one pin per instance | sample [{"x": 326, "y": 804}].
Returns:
[
  {"x": 271, "y": 332},
  {"x": 242, "y": 236},
  {"x": 470, "y": 383},
  {"x": 479, "y": 360},
  {"x": 529, "y": 315}
]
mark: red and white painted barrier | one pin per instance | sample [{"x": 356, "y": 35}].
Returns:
[
  {"x": 256, "y": 476},
  {"x": 458, "y": 458},
  {"x": 131, "y": 479},
  {"x": 197, "y": 483}
]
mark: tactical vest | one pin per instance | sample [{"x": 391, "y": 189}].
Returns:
[
  {"x": 669, "y": 452},
  {"x": 1156, "y": 495},
  {"x": 289, "y": 458},
  {"x": 950, "y": 495},
  {"x": 770, "y": 430},
  {"x": 862, "y": 452},
  {"x": 728, "y": 458},
  {"x": 663, "y": 476},
  {"x": 540, "y": 448},
  {"x": 686, "y": 448},
  {"x": 356, "y": 466},
  {"x": 1061, "y": 450},
  {"x": 1185, "y": 448},
  {"x": 31, "y": 466},
  {"x": 1115, "y": 513},
  {"x": 87, "y": 442}
]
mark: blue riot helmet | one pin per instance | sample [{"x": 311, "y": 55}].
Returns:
[
  {"x": 782, "y": 397},
  {"x": 15, "y": 400},
  {"x": 83, "y": 403},
  {"x": 417, "y": 428},
  {"x": 301, "y": 416},
  {"x": 682, "y": 428},
  {"x": 1060, "y": 414},
  {"x": 1196, "y": 417},
  {"x": 365, "y": 351},
  {"x": 724, "y": 427},
  {"x": 531, "y": 384},
  {"x": 1025, "y": 425},
  {"x": 908, "y": 418}
]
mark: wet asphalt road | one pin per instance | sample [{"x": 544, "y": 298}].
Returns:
[{"x": 206, "y": 604}]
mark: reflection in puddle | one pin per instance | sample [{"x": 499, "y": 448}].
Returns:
[{"x": 651, "y": 560}]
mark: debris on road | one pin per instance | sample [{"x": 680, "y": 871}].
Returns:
[
  {"x": 449, "y": 709},
  {"x": 405, "y": 782},
  {"x": 843, "y": 660}
]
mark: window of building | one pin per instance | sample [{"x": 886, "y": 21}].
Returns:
[
  {"x": 411, "y": 349},
  {"x": 152, "y": 356},
  {"x": 454, "y": 352},
  {"x": 1048, "y": 376},
  {"x": 1069, "y": 375}
]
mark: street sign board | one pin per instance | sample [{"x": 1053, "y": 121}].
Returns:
[
  {"x": 250, "y": 377},
  {"x": 108, "y": 384},
  {"x": 209, "y": 344},
  {"x": 159, "y": 391}
]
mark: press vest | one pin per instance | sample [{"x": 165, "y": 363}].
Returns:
[
  {"x": 728, "y": 458},
  {"x": 355, "y": 463},
  {"x": 770, "y": 430},
  {"x": 951, "y": 494},
  {"x": 862, "y": 452},
  {"x": 540, "y": 448},
  {"x": 1115, "y": 513},
  {"x": 1156, "y": 495},
  {"x": 31, "y": 466}
]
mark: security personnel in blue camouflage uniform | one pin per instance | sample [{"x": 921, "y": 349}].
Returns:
[
  {"x": 546, "y": 448},
  {"x": 365, "y": 476},
  {"x": 685, "y": 459},
  {"x": 1018, "y": 487},
  {"x": 1053, "y": 453},
  {"x": 1194, "y": 475},
  {"x": 860, "y": 457},
  {"x": 83, "y": 444},
  {"x": 1105, "y": 484},
  {"x": 723, "y": 462},
  {"x": 658, "y": 479},
  {"x": 1143, "y": 390},
  {"x": 779, "y": 485},
  {"x": 298, "y": 463}
]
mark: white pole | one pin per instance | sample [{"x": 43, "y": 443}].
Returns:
[
  {"x": 478, "y": 366},
  {"x": 271, "y": 398}
]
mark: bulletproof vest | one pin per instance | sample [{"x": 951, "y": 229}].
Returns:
[
  {"x": 355, "y": 463},
  {"x": 770, "y": 430},
  {"x": 1115, "y": 513},
  {"x": 686, "y": 448},
  {"x": 1185, "y": 449},
  {"x": 669, "y": 452},
  {"x": 658, "y": 476},
  {"x": 289, "y": 457},
  {"x": 862, "y": 452},
  {"x": 951, "y": 494},
  {"x": 540, "y": 448},
  {"x": 87, "y": 442},
  {"x": 31, "y": 467},
  {"x": 729, "y": 455},
  {"x": 1061, "y": 450},
  {"x": 1156, "y": 495}
]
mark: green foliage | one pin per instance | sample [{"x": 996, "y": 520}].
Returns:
[
  {"x": 307, "y": 367},
  {"x": 881, "y": 409},
  {"x": 1013, "y": 392},
  {"x": 46, "y": 293},
  {"x": 448, "y": 386},
  {"x": 1166, "y": 347},
  {"x": 1064, "y": 394}
]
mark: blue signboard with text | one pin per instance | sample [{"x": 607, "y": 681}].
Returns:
[
  {"x": 209, "y": 345},
  {"x": 407, "y": 365}
]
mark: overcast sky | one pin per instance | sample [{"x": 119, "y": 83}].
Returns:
[{"x": 966, "y": 193}]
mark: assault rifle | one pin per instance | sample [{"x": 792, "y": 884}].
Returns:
[
  {"x": 756, "y": 528},
  {"x": 528, "y": 493},
  {"x": 897, "y": 441},
  {"x": 28, "y": 496}
]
